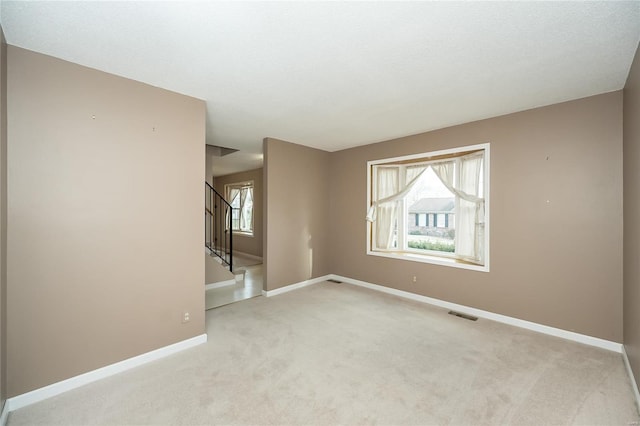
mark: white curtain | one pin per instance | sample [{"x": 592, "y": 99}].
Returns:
[
  {"x": 389, "y": 191},
  {"x": 246, "y": 202},
  {"x": 387, "y": 184},
  {"x": 413, "y": 173},
  {"x": 470, "y": 184},
  {"x": 470, "y": 221},
  {"x": 233, "y": 193}
]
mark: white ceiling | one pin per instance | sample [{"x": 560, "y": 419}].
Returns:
[{"x": 334, "y": 75}]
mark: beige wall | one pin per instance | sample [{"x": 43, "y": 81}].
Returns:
[
  {"x": 3, "y": 219},
  {"x": 208, "y": 175},
  {"x": 297, "y": 207},
  {"x": 105, "y": 193},
  {"x": 214, "y": 272},
  {"x": 632, "y": 217},
  {"x": 243, "y": 243},
  {"x": 556, "y": 263}
]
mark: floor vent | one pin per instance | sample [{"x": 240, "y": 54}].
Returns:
[
  {"x": 335, "y": 281},
  {"x": 468, "y": 317}
]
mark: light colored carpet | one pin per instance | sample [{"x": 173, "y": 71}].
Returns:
[{"x": 336, "y": 354}]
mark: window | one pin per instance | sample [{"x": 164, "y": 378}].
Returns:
[
  {"x": 431, "y": 207},
  {"x": 240, "y": 196}
]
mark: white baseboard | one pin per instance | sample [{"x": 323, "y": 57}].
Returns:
[
  {"x": 220, "y": 284},
  {"x": 552, "y": 331},
  {"x": 295, "y": 286},
  {"x": 101, "y": 373},
  {"x": 632, "y": 378},
  {"x": 5, "y": 414}
]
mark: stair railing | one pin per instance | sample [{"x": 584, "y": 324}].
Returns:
[{"x": 218, "y": 226}]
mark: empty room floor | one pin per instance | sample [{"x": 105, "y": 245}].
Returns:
[
  {"x": 339, "y": 354},
  {"x": 250, "y": 286}
]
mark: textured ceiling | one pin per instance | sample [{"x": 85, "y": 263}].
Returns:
[{"x": 334, "y": 75}]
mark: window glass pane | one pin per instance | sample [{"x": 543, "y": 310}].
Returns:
[
  {"x": 433, "y": 203},
  {"x": 235, "y": 218}
]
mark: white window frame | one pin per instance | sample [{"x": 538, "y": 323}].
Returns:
[
  {"x": 443, "y": 259},
  {"x": 227, "y": 194}
]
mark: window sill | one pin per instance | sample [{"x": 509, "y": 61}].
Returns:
[{"x": 434, "y": 260}]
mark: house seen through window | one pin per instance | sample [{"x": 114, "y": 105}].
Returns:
[
  {"x": 431, "y": 207},
  {"x": 240, "y": 196}
]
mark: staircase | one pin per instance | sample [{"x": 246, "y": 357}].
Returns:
[{"x": 217, "y": 227}]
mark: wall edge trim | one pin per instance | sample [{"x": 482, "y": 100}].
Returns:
[
  {"x": 5, "y": 413},
  {"x": 295, "y": 286},
  {"x": 220, "y": 284},
  {"x": 516, "y": 322},
  {"x": 54, "y": 389},
  {"x": 632, "y": 378}
]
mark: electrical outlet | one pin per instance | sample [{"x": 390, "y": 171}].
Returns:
[
  {"x": 415, "y": 279},
  {"x": 185, "y": 317}
]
